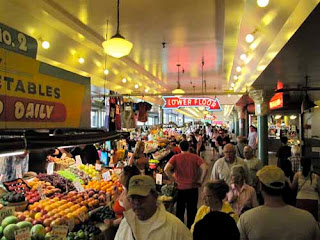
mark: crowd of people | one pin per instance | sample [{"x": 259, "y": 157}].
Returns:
[{"x": 242, "y": 199}]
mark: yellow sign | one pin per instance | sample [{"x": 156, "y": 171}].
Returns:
[{"x": 36, "y": 95}]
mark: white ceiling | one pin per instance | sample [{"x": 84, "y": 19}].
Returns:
[{"x": 213, "y": 30}]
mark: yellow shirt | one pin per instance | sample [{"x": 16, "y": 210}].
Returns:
[{"x": 204, "y": 210}]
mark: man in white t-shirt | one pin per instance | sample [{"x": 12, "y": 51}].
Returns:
[
  {"x": 254, "y": 164},
  {"x": 253, "y": 138},
  {"x": 222, "y": 167},
  {"x": 275, "y": 219},
  {"x": 148, "y": 219}
]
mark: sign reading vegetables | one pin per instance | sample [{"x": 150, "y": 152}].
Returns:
[
  {"x": 37, "y": 95},
  {"x": 212, "y": 104}
]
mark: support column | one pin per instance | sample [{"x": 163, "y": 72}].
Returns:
[
  {"x": 261, "y": 110},
  {"x": 161, "y": 116},
  {"x": 236, "y": 123},
  {"x": 242, "y": 121},
  {"x": 183, "y": 120}
]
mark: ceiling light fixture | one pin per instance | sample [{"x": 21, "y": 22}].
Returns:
[
  {"x": 146, "y": 90},
  {"x": 292, "y": 117},
  {"x": 262, "y": 3},
  {"x": 136, "y": 86},
  {"x": 235, "y": 77},
  {"x": 238, "y": 69},
  {"x": 45, "y": 44},
  {"x": 277, "y": 117},
  {"x": 106, "y": 71},
  {"x": 249, "y": 38},
  {"x": 81, "y": 60},
  {"x": 117, "y": 46},
  {"x": 233, "y": 85},
  {"x": 178, "y": 90},
  {"x": 243, "y": 57},
  {"x": 124, "y": 80}
]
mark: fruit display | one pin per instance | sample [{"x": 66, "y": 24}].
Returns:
[
  {"x": 89, "y": 170},
  {"x": 14, "y": 197},
  {"x": 17, "y": 185},
  {"x": 57, "y": 181},
  {"x": 64, "y": 161},
  {"x": 86, "y": 232},
  {"x": 80, "y": 174},
  {"x": 89, "y": 198},
  {"x": 106, "y": 186},
  {"x": 102, "y": 214},
  {"x": 70, "y": 176}
]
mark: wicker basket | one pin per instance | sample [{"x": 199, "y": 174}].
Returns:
[{"x": 19, "y": 206}]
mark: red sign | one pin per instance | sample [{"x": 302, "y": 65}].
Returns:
[
  {"x": 212, "y": 104},
  {"x": 30, "y": 110},
  {"x": 277, "y": 99}
]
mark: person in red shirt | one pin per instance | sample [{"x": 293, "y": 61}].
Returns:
[{"x": 184, "y": 169}]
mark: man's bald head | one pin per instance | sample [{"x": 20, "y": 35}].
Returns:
[
  {"x": 247, "y": 152},
  {"x": 229, "y": 152}
]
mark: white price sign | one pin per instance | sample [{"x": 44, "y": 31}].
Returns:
[
  {"x": 78, "y": 160},
  {"x": 106, "y": 176},
  {"x": 78, "y": 186},
  {"x": 50, "y": 168},
  {"x": 159, "y": 179},
  {"x": 22, "y": 234},
  {"x": 98, "y": 166},
  {"x": 59, "y": 232},
  {"x": 5, "y": 212}
]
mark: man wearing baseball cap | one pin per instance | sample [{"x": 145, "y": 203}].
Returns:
[
  {"x": 148, "y": 219},
  {"x": 275, "y": 219}
]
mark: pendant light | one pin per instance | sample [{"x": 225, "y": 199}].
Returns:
[
  {"x": 117, "y": 46},
  {"x": 178, "y": 90}
]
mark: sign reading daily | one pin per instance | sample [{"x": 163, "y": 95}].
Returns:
[
  {"x": 212, "y": 104},
  {"x": 37, "y": 95}
]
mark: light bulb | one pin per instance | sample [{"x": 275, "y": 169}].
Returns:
[
  {"x": 262, "y": 3},
  {"x": 249, "y": 38},
  {"x": 231, "y": 89},
  {"x": 292, "y": 117},
  {"x": 81, "y": 60},
  {"x": 106, "y": 71},
  {"x": 45, "y": 44},
  {"x": 146, "y": 90},
  {"x": 233, "y": 84},
  {"x": 136, "y": 86},
  {"x": 229, "y": 95},
  {"x": 235, "y": 77},
  {"x": 243, "y": 56},
  {"x": 277, "y": 116},
  {"x": 124, "y": 80},
  {"x": 238, "y": 69}
]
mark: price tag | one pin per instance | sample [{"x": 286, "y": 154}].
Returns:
[
  {"x": 59, "y": 232},
  {"x": 106, "y": 176},
  {"x": 78, "y": 186},
  {"x": 78, "y": 160},
  {"x": 98, "y": 176},
  {"x": 22, "y": 234},
  {"x": 42, "y": 195},
  {"x": 82, "y": 217},
  {"x": 50, "y": 168},
  {"x": 18, "y": 171},
  {"x": 159, "y": 179},
  {"x": 5, "y": 212},
  {"x": 98, "y": 166},
  {"x": 71, "y": 224}
]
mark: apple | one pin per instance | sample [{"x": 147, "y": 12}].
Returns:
[
  {"x": 48, "y": 229},
  {"x": 34, "y": 222},
  {"x": 43, "y": 211},
  {"x": 22, "y": 217}
]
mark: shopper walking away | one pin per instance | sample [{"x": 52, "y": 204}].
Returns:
[
  {"x": 254, "y": 164},
  {"x": 295, "y": 158},
  {"x": 200, "y": 144},
  {"x": 241, "y": 143},
  {"x": 253, "y": 138},
  {"x": 307, "y": 185},
  {"x": 222, "y": 167},
  {"x": 241, "y": 196},
  {"x": 184, "y": 169},
  {"x": 213, "y": 195},
  {"x": 275, "y": 219},
  {"x": 148, "y": 219}
]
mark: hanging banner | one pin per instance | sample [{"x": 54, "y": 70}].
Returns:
[
  {"x": 211, "y": 104},
  {"x": 37, "y": 95}
]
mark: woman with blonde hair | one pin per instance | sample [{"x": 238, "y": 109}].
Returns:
[
  {"x": 214, "y": 193},
  {"x": 140, "y": 159},
  {"x": 241, "y": 196}
]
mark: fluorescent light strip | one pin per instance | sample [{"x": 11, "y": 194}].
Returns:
[{"x": 9, "y": 154}]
